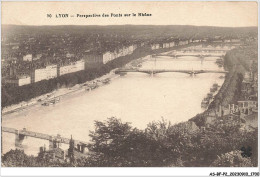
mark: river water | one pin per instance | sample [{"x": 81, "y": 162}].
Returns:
[{"x": 136, "y": 97}]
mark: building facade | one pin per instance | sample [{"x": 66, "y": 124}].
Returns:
[
  {"x": 46, "y": 73},
  {"x": 93, "y": 60},
  {"x": 72, "y": 67},
  {"x": 19, "y": 81},
  {"x": 27, "y": 57}
]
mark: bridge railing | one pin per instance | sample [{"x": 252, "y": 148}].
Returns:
[
  {"x": 165, "y": 70},
  {"x": 25, "y": 132}
]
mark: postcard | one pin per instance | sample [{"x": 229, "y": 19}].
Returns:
[{"x": 130, "y": 84}]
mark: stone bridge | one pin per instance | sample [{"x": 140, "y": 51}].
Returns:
[
  {"x": 151, "y": 71},
  {"x": 54, "y": 141},
  {"x": 191, "y": 54}
]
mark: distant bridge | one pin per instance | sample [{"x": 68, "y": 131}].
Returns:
[
  {"x": 190, "y": 54},
  {"x": 151, "y": 71},
  {"x": 205, "y": 50},
  {"x": 54, "y": 141}
]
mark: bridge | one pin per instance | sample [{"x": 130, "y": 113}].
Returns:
[
  {"x": 205, "y": 50},
  {"x": 190, "y": 54},
  {"x": 155, "y": 71},
  {"x": 54, "y": 141}
]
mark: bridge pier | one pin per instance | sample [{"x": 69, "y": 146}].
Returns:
[{"x": 18, "y": 139}]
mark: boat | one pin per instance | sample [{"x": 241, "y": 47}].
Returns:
[
  {"x": 51, "y": 101},
  {"x": 93, "y": 86},
  {"x": 206, "y": 99},
  {"x": 45, "y": 104},
  {"x": 219, "y": 60},
  {"x": 106, "y": 81},
  {"x": 204, "y": 103},
  {"x": 210, "y": 95},
  {"x": 215, "y": 85},
  {"x": 213, "y": 89},
  {"x": 55, "y": 100}
]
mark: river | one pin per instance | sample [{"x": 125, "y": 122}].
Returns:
[{"x": 136, "y": 97}]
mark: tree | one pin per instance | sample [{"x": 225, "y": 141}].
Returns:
[
  {"x": 108, "y": 134},
  {"x": 17, "y": 158},
  {"x": 71, "y": 150},
  {"x": 232, "y": 159},
  {"x": 117, "y": 144}
]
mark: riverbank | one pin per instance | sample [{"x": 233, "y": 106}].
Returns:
[
  {"x": 237, "y": 62},
  {"x": 61, "y": 92},
  {"x": 73, "y": 80}
]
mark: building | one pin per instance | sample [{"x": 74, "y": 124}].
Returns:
[
  {"x": 218, "y": 41},
  {"x": 166, "y": 45},
  {"x": 27, "y": 57},
  {"x": 184, "y": 42},
  {"x": 247, "y": 106},
  {"x": 172, "y": 44},
  {"x": 72, "y": 67},
  {"x": 227, "y": 40},
  {"x": 46, "y": 73},
  {"x": 55, "y": 154},
  {"x": 93, "y": 60},
  {"x": 155, "y": 46},
  {"x": 235, "y": 40},
  {"x": 69, "y": 55},
  {"x": 37, "y": 57},
  {"x": 15, "y": 47},
  {"x": 226, "y": 110},
  {"x": 109, "y": 56},
  {"x": 19, "y": 80},
  {"x": 196, "y": 41},
  {"x": 106, "y": 57},
  {"x": 134, "y": 47}
]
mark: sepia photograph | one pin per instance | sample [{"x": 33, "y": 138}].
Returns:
[{"x": 129, "y": 84}]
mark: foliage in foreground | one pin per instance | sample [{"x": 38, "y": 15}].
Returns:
[
  {"x": 116, "y": 144},
  {"x": 232, "y": 159}
]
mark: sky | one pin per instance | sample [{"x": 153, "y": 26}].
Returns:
[{"x": 227, "y": 14}]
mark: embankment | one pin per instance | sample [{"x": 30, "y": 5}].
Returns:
[
  {"x": 237, "y": 61},
  {"x": 14, "y": 95}
]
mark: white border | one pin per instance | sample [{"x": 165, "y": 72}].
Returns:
[
  {"x": 123, "y": 171},
  {"x": 164, "y": 171}
]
